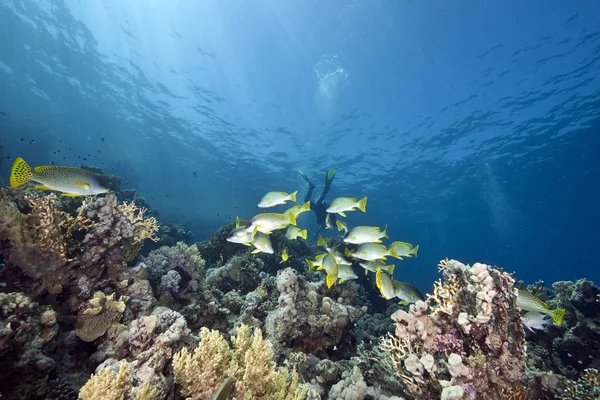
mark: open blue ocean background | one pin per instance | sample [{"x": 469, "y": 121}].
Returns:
[{"x": 472, "y": 126}]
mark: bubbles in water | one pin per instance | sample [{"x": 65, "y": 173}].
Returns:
[{"x": 331, "y": 78}]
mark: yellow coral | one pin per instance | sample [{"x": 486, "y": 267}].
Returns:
[
  {"x": 250, "y": 364},
  {"x": 107, "y": 385}
]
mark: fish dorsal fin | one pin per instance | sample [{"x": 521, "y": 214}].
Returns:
[
  {"x": 82, "y": 184},
  {"x": 378, "y": 277},
  {"x": 43, "y": 168}
]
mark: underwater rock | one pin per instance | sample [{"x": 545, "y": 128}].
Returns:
[
  {"x": 26, "y": 329},
  {"x": 94, "y": 321},
  {"x": 306, "y": 319}
]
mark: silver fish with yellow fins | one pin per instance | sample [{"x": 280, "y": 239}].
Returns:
[
  {"x": 373, "y": 265},
  {"x": 269, "y": 222},
  {"x": 528, "y": 302},
  {"x": 241, "y": 222},
  {"x": 71, "y": 181},
  {"x": 262, "y": 243},
  {"x": 345, "y": 273},
  {"x": 299, "y": 209},
  {"x": 365, "y": 234},
  {"x": 272, "y": 199},
  {"x": 384, "y": 284},
  {"x": 240, "y": 235},
  {"x": 404, "y": 249},
  {"x": 284, "y": 256},
  {"x": 342, "y": 226},
  {"x": 331, "y": 267},
  {"x": 340, "y": 205},
  {"x": 317, "y": 262},
  {"x": 323, "y": 242},
  {"x": 407, "y": 292},
  {"x": 294, "y": 232},
  {"x": 371, "y": 252}
]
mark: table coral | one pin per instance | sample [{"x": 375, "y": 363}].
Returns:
[{"x": 468, "y": 334}]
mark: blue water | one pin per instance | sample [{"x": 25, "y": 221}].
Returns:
[{"x": 473, "y": 127}]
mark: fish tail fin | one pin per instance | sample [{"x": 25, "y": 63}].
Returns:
[
  {"x": 291, "y": 217},
  {"x": 311, "y": 264},
  {"x": 332, "y": 277},
  {"x": 348, "y": 253},
  {"x": 557, "y": 315},
  {"x": 378, "y": 277},
  {"x": 414, "y": 250},
  {"x": 340, "y": 226},
  {"x": 305, "y": 207},
  {"x": 321, "y": 241},
  {"x": 393, "y": 253},
  {"x": 390, "y": 269},
  {"x": 362, "y": 204},
  {"x": 21, "y": 173},
  {"x": 303, "y": 234},
  {"x": 293, "y": 196},
  {"x": 384, "y": 233}
]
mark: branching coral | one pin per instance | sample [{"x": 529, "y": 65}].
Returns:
[
  {"x": 467, "y": 337},
  {"x": 108, "y": 385},
  {"x": 586, "y": 388},
  {"x": 249, "y": 363},
  {"x": 116, "y": 224},
  {"x": 39, "y": 234}
]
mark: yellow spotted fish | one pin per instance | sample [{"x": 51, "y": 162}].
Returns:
[
  {"x": 71, "y": 181},
  {"x": 528, "y": 302}
]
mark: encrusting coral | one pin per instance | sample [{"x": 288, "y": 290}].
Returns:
[
  {"x": 465, "y": 340},
  {"x": 94, "y": 321},
  {"x": 249, "y": 363}
]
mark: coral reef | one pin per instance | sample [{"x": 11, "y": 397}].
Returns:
[
  {"x": 467, "y": 339},
  {"x": 26, "y": 328},
  {"x": 87, "y": 298}
]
